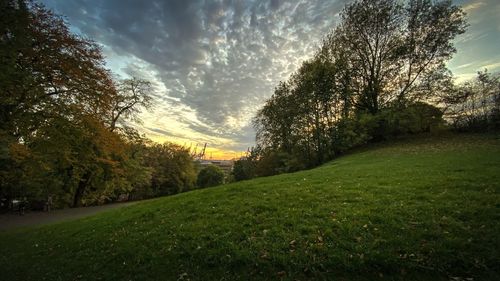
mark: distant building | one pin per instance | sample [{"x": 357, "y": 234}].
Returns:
[{"x": 225, "y": 165}]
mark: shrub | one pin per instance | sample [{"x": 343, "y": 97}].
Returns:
[
  {"x": 243, "y": 169},
  {"x": 278, "y": 162},
  {"x": 210, "y": 176},
  {"x": 414, "y": 118}
]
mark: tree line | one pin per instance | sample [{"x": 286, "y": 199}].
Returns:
[
  {"x": 64, "y": 119},
  {"x": 379, "y": 74}
]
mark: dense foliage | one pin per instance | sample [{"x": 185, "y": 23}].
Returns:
[
  {"x": 211, "y": 175},
  {"x": 376, "y": 76},
  {"x": 243, "y": 169},
  {"x": 63, "y": 119},
  {"x": 173, "y": 169}
]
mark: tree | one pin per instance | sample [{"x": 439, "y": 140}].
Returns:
[
  {"x": 133, "y": 94},
  {"x": 390, "y": 48},
  {"x": 55, "y": 100},
  {"x": 298, "y": 119},
  {"x": 47, "y": 71},
  {"x": 275, "y": 120},
  {"x": 49, "y": 76},
  {"x": 243, "y": 169},
  {"x": 172, "y": 166},
  {"x": 211, "y": 175},
  {"x": 475, "y": 104},
  {"x": 383, "y": 61}
]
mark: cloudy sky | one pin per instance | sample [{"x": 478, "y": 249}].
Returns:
[{"x": 214, "y": 63}]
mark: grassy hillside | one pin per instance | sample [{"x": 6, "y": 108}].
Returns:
[{"x": 419, "y": 209}]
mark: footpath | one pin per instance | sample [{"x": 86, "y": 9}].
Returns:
[{"x": 14, "y": 220}]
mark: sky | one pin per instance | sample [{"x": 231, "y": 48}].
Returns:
[{"x": 214, "y": 63}]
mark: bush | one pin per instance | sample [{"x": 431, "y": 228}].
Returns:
[
  {"x": 351, "y": 132},
  {"x": 414, "y": 118},
  {"x": 394, "y": 121},
  {"x": 390, "y": 122},
  {"x": 210, "y": 176},
  {"x": 243, "y": 169},
  {"x": 278, "y": 162}
]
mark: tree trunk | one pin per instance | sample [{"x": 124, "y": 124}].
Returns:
[{"x": 82, "y": 186}]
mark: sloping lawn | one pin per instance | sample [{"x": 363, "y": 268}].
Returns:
[{"x": 418, "y": 209}]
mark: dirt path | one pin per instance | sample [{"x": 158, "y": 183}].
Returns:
[{"x": 13, "y": 220}]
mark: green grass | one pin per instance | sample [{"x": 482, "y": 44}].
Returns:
[{"x": 421, "y": 209}]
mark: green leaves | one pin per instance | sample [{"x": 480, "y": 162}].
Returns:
[
  {"x": 172, "y": 168},
  {"x": 211, "y": 175},
  {"x": 375, "y": 76}
]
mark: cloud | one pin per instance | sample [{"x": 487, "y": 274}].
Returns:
[
  {"x": 461, "y": 78},
  {"x": 472, "y": 6},
  {"x": 477, "y": 48},
  {"x": 491, "y": 66},
  {"x": 214, "y": 62},
  {"x": 464, "y": 66}
]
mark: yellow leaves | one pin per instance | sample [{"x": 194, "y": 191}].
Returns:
[{"x": 19, "y": 152}]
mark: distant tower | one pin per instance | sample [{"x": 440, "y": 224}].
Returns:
[{"x": 202, "y": 153}]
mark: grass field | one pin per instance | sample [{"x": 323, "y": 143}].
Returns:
[{"x": 423, "y": 209}]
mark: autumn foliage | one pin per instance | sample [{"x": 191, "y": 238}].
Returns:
[{"x": 63, "y": 118}]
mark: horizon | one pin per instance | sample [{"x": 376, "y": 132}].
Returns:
[{"x": 214, "y": 64}]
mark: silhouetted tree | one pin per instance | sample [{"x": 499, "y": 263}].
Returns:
[
  {"x": 475, "y": 104},
  {"x": 384, "y": 61},
  {"x": 389, "y": 47},
  {"x": 133, "y": 95}
]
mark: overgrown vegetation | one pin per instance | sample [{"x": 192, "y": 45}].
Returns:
[{"x": 419, "y": 209}]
